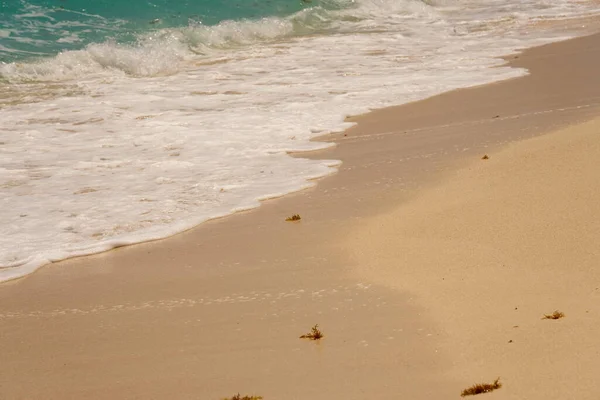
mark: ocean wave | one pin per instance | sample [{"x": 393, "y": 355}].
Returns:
[{"x": 162, "y": 51}]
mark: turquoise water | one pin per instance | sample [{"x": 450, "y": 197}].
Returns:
[{"x": 36, "y": 28}]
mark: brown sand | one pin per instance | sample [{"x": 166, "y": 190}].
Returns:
[{"x": 219, "y": 309}]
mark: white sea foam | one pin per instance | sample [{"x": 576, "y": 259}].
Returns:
[{"x": 140, "y": 142}]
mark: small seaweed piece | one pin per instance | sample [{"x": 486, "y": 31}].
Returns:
[
  {"x": 481, "y": 388},
  {"x": 315, "y": 333},
  {"x": 485, "y": 157},
  {"x": 238, "y": 397},
  {"x": 555, "y": 315},
  {"x": 295, "y": 217}
]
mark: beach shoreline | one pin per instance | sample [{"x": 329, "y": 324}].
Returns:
[{"x": 218, "y": 309}]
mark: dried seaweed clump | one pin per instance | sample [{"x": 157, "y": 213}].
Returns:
[
  {"x": 315, "y": 334},
  {"x": 555, "y": 315},
  {"x": 238, "y": 397},
  {"x": 481, "y": 388},
  {"x": 295, "y": 217},
  {"x": 485, "y": 157}
]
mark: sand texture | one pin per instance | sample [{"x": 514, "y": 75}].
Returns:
[
  {"x": 416, "y": 259},
  {"x": 495, "y": 248}
]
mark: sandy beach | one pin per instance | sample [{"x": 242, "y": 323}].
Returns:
[
  {"x": 427, "y": 268},
  {"x": 496, "y": 248}
]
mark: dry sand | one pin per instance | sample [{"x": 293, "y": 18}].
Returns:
[
  {"x": 492, "y": 250},
  {"x": 219, "y": 309}
]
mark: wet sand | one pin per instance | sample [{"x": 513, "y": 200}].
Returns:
[{"x": 219, "y": 309}]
